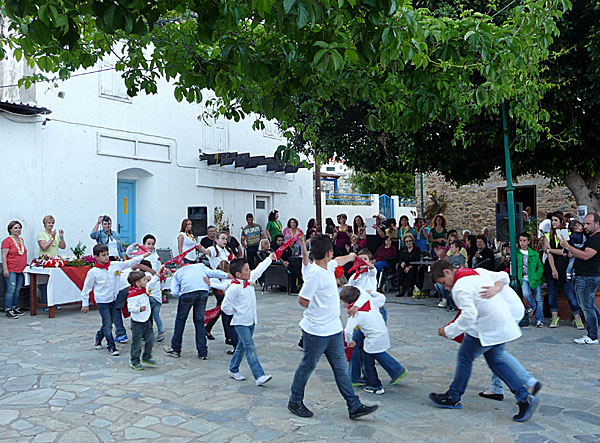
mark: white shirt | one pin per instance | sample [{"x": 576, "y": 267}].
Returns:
[
  {"x": 366, "y": 280},
  {"x": 153, "y": 288},
  {"x": 135, "y": 303},
  {"x": 372, "y": 325},
  {"x": 220, "y": 284},
  {"x": 490, "y": 320},
  {"x": 113, "y": 250},
  {"x": 322, "y": 316},
  {"x": 153, "y": 258},
  {"x": 217, "y": 255},
  {"x": 190, "y": 278},
  {"x": 188, "y": 243},
  {"x": 241, "y": 302},
  {"x": 104, "y": 282}
]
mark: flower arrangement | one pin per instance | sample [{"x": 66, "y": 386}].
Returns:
[{"x": 45, "y": 261}]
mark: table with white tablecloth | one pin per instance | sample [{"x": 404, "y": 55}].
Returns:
[{"x": 64, "y": 286}]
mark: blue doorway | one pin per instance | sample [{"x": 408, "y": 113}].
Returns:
[{"x": 126, "y": 210}]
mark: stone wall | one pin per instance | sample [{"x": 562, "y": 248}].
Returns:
[{"x": 473, "y": 207}]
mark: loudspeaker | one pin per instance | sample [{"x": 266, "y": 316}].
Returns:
[
  {"x": 502, "y": 232},
  {"x": 198, "y": 216}
]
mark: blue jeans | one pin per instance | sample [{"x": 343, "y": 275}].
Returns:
[
  {"x": 14, "y": 283},
  {"x": 333, "y": 348},
  {"x": 246, "y": 345},
  {"x": 470, "y": 349},
  {"x": 196, "y": 300},
  {"x": 445, "y": 294},
  {"x": 155, "y": 305},
  {"x": 118, "y": 318},
  {"x": 107, "y": 313},
  {"x": 393, "y": 367},
  {"x": 569, "y": 293},
  {"x": 534, "y": 298},
  {"x": 586, "y": 292},
  {"x": 525, "y": 377},
  {"x": 380, "y": 265}
]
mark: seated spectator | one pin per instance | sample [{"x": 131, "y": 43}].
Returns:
[
  {"x": 452, "y": 237},
  {"x": 354, "y": 245},
  {"x": 465, "y": 236},
  {"x": 385, "y": 254},
  {"x": 408, "y": 274},
  {"x": 455, "y": 256},
  {"x": 294, "y": 264},
  {"x": 471, "y": 249},
  {"x": 488, "y": 238},
  {"x": 264, "y": 249},
  {"x": 484, "y": 257}
]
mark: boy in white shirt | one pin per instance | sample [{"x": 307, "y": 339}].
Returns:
[
  {"x": 138, "y": 305},
  {"x": 240, "y": 302},
  {"x": 376, "y": 336},
  {"x": 149, "y": 243},
  {"x": 322, "y": 329},
  {"x": 487, "y": 323},
  {"x": 103, "y": 279}
]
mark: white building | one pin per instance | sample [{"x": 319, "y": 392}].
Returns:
[{"x": 134, "y": 159}]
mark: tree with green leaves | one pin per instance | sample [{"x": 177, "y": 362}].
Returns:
[{"x": 384, "y": 182}]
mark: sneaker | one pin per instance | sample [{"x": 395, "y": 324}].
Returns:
[
  {"x": 445, "y": 401},
  {"x": 585, "y": 340},
  {"x": 203, "y": 357},
  {"x": 443, "y": 303},
  {"x": 372, "y": 390},
  {"x": 18, "y": 311},
  {"x": 136, "y": 366},
  {"x": 492, "y": 396},
  {"x": 362, "y": 411},
  {"x": 173, "y": 353},
  {"x": 160, "y": 337},
  {"x": 98, "y": 345},
  {"x": 114, "y": 352},
  {"x": 298, "y": 408},
  {"x": 263, "y": 379},
  {"x": 11, "y": 314},
  {"x": 230, "y": 351},
  {"x": 359, "y": 383},
  {"x": 236, "y": 376},
  {"x": 121, "y": 338},
  {"x": 399, "y": 377},
  {"x": 530, "y": 312},
  {"x": 209, "y": 336},
  {"x": 554, "y": 322},
  {"x": 526, "y": 409},
  {"x": 578, "y": 323},
  {"x": 539, "y": 324},
  {"x": 149, "y": 362}
]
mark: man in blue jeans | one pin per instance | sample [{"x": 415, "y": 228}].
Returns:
[
  {"x": 487, "y": 324},
  {"x": 190, "y": 285},
  {"x": 587, "y": 276}
]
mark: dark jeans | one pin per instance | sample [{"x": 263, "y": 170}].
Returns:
[
  {"x": 196, "y": 300},
  {"x": 118, "y": 318},
  {"x": 569, "y": 293},
  {"x": 231, "y": 337},
  {"x": 252, "y": 256},
  {"x": 139, "y": 331},
  {"x": 470, "y": 349},
  {"x": 333, "y": 348},
  {"x": 107, "y": 312},
  {"x": 392, "y": 366},
  {"x": 408, "y": 280},
  {"x": 585, "y": 288}
]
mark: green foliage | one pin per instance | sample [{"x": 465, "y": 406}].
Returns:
[
  {"x": 79, "y": 250},
  {"x": 384, "y": 182}
]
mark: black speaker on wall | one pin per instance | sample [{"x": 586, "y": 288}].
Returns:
[
  {"x": 502, "y": 232},
  {"x": 198, "y": 216}
]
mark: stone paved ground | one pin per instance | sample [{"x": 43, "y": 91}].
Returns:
[{"x": 55, "y": 387}]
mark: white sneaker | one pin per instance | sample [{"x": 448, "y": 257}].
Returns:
[
  {"x": 236, "y": 376},
  {"x": 265, "y": 378},
  {"x": 443, "y": 303},
  {"x": 585, "y": 340}
]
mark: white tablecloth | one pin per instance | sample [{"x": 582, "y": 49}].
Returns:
[{"x": 61, "y": 288}]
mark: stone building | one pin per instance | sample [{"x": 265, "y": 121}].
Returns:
[{"x": 473, "y": 206}]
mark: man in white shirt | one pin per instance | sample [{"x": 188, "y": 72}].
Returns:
[
  {"x": 322, "y": 328},
  {"x": 487, "y": 323}
]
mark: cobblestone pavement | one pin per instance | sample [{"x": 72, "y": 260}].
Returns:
[{"x": 54, "y": 386}]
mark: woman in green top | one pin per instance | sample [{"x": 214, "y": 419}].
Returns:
[
  {"x": 48, "y": 240},
  {"x": 438, "y": 233},
  {"x": 274, "y": 225}
]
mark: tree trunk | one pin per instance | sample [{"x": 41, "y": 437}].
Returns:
[{"x": 584, "y": 191}]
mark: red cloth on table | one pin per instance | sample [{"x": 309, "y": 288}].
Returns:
[{"x": 77, "y": 276}]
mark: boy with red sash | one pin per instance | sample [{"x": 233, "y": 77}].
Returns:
[
  {"x": 487, "y": 323},
  {"x": 376, "y": 335},
  {"x": 138, "y": 305}
]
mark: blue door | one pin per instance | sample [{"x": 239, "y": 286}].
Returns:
[{"x": 126, "y": 210}]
